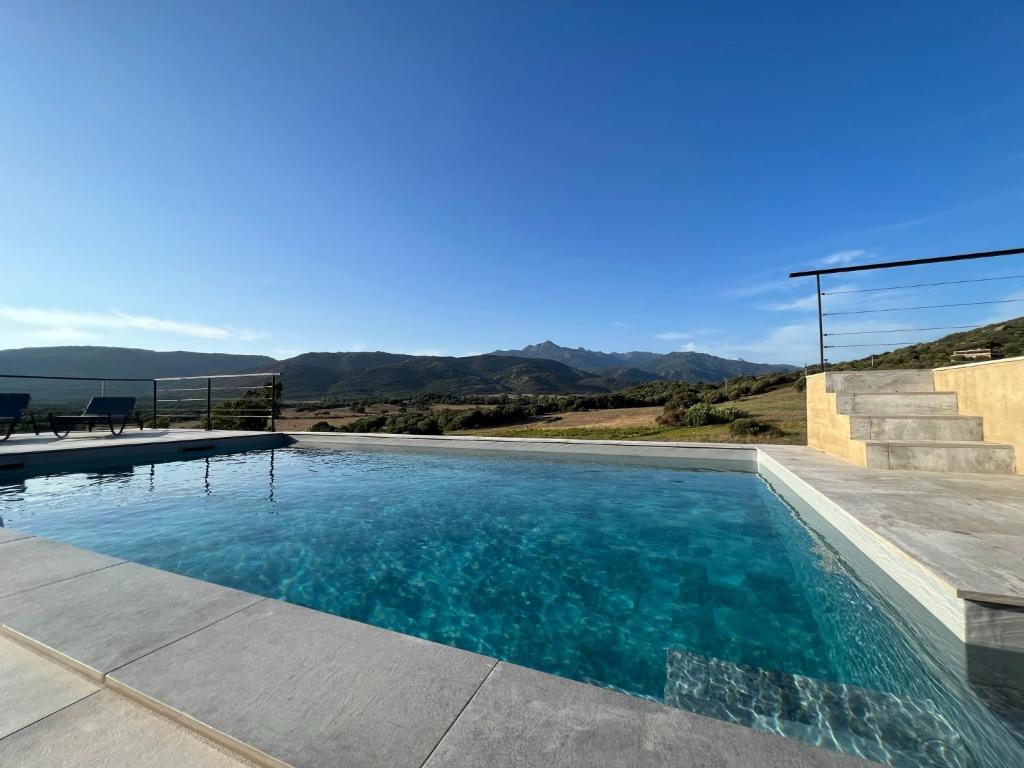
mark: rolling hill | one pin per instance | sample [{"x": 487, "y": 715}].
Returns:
[
  {"x": 673, "y": 366},
  {"x": 380, "y": 374},
  {"x": 315, "y": 375},
  {"x": 123, "y": 362},
  {"x": 1006, "y": 339},
  {"x": 110, "y": 362}
]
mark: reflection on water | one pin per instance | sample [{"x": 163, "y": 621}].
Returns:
[{"x": 701, "y": 589}]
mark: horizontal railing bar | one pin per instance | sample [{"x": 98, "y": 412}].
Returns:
[
  {"x": 215, "y": 376},
  {"x": 904, "y": 330},
  {"x": 218, "y": 389},
  {"x": 879, "y": 344},
  {"x": 922, "y": 285},
  {"x": 909, "y": 262},
  {"x": 235, "y": 413},
  {"x": 216, "y": 412},
  {"x": 67, "y": 378},
  {"x": 926, "y": 306}
]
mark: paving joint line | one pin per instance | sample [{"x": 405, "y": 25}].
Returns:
[
  {"x": 461, "y": 711},
  {"x": 259, "y": 599},
  {"x": 51, "y": 714},
  {"x": 59, "y": 581},
  {"x": 11, "y": 541}
]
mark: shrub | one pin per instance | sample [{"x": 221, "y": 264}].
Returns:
[
  {"x": 759, "y": 387},
  {"x": 800, "y": 384},
  {"x": 700, "y": 415},
  {"x": 746, "y": 427},
  {"x": 736, "y": 391},
  {"x": 323, "y": 426},
  {"x": 727, "y": 413},
  {"x": 713, "y": 396}
]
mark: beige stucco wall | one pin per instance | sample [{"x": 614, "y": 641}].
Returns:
[
  {"x": 828, "y": 430},
  {"x": 994, "y": 390}
]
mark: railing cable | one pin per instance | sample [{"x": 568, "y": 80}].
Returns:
[
  {"x": 925, "y": 306},
  {"x": 905, "y": 330},
  {"x": 923, "y": 285}
]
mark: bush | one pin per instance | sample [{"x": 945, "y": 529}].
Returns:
[
  {"x": 682, "y": 401},
  {"x": 323, "y": 426},
  {"x": 800, "y": 384},
  {"x": 736, "y": 391},
  {"x": 745, "y": 427},
  {"x": 727, "y": 413},
  {"x": 759, "y": 387},
  {"x": 714, "y": 396},
  {"x": 700, "y": 415}
]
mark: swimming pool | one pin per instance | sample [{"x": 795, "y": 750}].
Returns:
[{"x": 701, "y": 589}]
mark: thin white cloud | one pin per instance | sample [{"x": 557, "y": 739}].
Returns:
[
  {"x": 803, "y": 304},
  {"x": 64, "y": 323},
  {"x": 620, "y": 324},
  {"x": 841, "y": 258},
  {"x": 756, "y": 289},
  {"x": 673, "y": 336},
  {"x": 797, "y": 344},
  {"x": 683, "y": 335}
]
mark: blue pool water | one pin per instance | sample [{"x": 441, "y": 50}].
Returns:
[{"x": 698, "y": 588}]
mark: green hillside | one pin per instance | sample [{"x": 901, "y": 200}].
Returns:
[
  {"x": 1006, "y": 339},
  {"x": 123, "y": 362},
  {"x": 384, "y": 375}
]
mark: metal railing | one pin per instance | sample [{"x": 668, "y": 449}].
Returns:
[
  {"x": 245, "y": 406},
  {"x": 900, "y": 290},
  {"x": 240, "y": 410}
]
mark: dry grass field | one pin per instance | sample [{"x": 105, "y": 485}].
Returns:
[{"x": 784, "y": 407}]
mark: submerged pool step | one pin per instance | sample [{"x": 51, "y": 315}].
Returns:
[{"x": 854, "y": 720}]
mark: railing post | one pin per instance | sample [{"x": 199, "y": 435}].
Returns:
[
  {"x": 273, "y": 404},
  {"x": 154, "y": 403},
  {"x": 209, "y": 402},
  {"x": 821, "y": 325}
]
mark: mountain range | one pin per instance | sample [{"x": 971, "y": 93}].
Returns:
[
  {"x": 544, "y": 368},
  {"x": 673, "y": 366},
  {"x": 537, "y": 369}
]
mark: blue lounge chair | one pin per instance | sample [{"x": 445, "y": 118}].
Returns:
[
  {"x": 12, "y": 406},
  {"x": 99, "y": 410}
]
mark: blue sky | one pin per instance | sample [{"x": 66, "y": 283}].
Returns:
[{"x": 462, "y": 176}]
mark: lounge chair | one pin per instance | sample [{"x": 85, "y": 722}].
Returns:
[
  {"x": 104, "y": 410},
  {"x": 12, "y": 406}
]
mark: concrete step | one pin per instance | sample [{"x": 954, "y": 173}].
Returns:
[
  {"x": 947, "y": 456},
  {"x": 880, "y": 382},
  {"x": 898, "y": 404},
  {"x": 916, "y": 428}
]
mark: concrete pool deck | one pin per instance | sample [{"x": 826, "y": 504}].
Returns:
[{"x": 284, "y": 685}]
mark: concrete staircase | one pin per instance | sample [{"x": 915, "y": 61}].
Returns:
[{"x": 903, "y": 423}]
